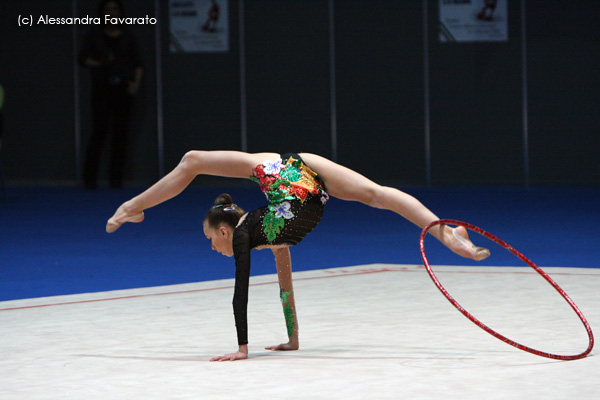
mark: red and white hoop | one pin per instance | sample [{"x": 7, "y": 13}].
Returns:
[{"x": 528, "y": 262}]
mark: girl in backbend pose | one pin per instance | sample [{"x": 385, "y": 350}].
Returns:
[{"x": 297, "y": 186}]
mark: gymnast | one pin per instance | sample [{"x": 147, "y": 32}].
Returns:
[{"x": 297, "y": 186}]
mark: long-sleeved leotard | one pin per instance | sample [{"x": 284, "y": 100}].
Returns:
[{"x": 297, "y": 198}]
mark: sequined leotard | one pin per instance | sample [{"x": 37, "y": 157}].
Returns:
[{"x": 296, "y": 198}]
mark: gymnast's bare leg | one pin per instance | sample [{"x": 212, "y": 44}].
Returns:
[
  {"x": 232, "y": 164},
  {"x": 346, "y": 184},
  {"x": 341, "y": 182}
]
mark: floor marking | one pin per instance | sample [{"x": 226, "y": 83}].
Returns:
[{"x": 332, "y": 274}]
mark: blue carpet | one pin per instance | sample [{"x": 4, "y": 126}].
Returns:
[{"x": 52, "y": 240}]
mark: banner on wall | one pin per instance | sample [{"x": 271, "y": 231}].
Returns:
[
  {"x": 473, "y": 20},
  {"x": 198, "y": 26}
]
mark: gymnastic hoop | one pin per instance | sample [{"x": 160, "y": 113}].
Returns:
[{"x": 528, "y": 262}]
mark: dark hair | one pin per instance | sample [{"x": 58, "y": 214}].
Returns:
[
  {"x": 224, "y": 211},
  {"x": 103, "y": 4}
]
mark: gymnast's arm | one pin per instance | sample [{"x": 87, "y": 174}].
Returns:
[
  {"x": 283, "y": 261},
  {"x": 241, "y": 250}
]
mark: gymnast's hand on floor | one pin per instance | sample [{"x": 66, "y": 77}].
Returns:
[
  {"x": 231, "y": 357},
  {"x": 123, "y": 214}
]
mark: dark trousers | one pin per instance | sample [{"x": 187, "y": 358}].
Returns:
[
  {"x": 1, "y": 174},
  {"x": 111, "y": 109}
]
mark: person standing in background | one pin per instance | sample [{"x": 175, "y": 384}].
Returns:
[
  {"x": 112, "y": 54},
  {"x": 1, "y": 131},
  {"x": 1, "y": 117}
]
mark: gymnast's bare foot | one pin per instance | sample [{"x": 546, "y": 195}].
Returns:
[
  {"x": 460, "y": 244},
  {"x": 122, "y": 215}
]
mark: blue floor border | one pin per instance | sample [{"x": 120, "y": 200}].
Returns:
[{"x": 52, "y": 239}]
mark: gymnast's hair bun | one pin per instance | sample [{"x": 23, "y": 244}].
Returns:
[
  {"x": 223, "y": 199},
  {"x": 224, "y": 211}
]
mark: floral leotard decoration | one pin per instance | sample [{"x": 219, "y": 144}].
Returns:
[
  {"x": 296, "y": 201},
  {"x": 283, "y": 181}
]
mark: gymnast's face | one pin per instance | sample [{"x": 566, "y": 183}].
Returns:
[{"x": 221, "y": 238}]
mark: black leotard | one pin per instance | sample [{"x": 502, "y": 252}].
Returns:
[{"x": 297, "y": 198}]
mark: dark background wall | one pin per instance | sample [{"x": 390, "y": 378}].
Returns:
[
  {"x": 480, "y": 131},
  {"x": 476, "y": 107},
  {"x": 201, "y": 95},
  {"x": 564, "y": 100}
]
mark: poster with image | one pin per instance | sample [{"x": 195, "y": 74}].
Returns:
[
  {"x": 198, "y": 26},
  {"x": 473, "y": 21}
]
